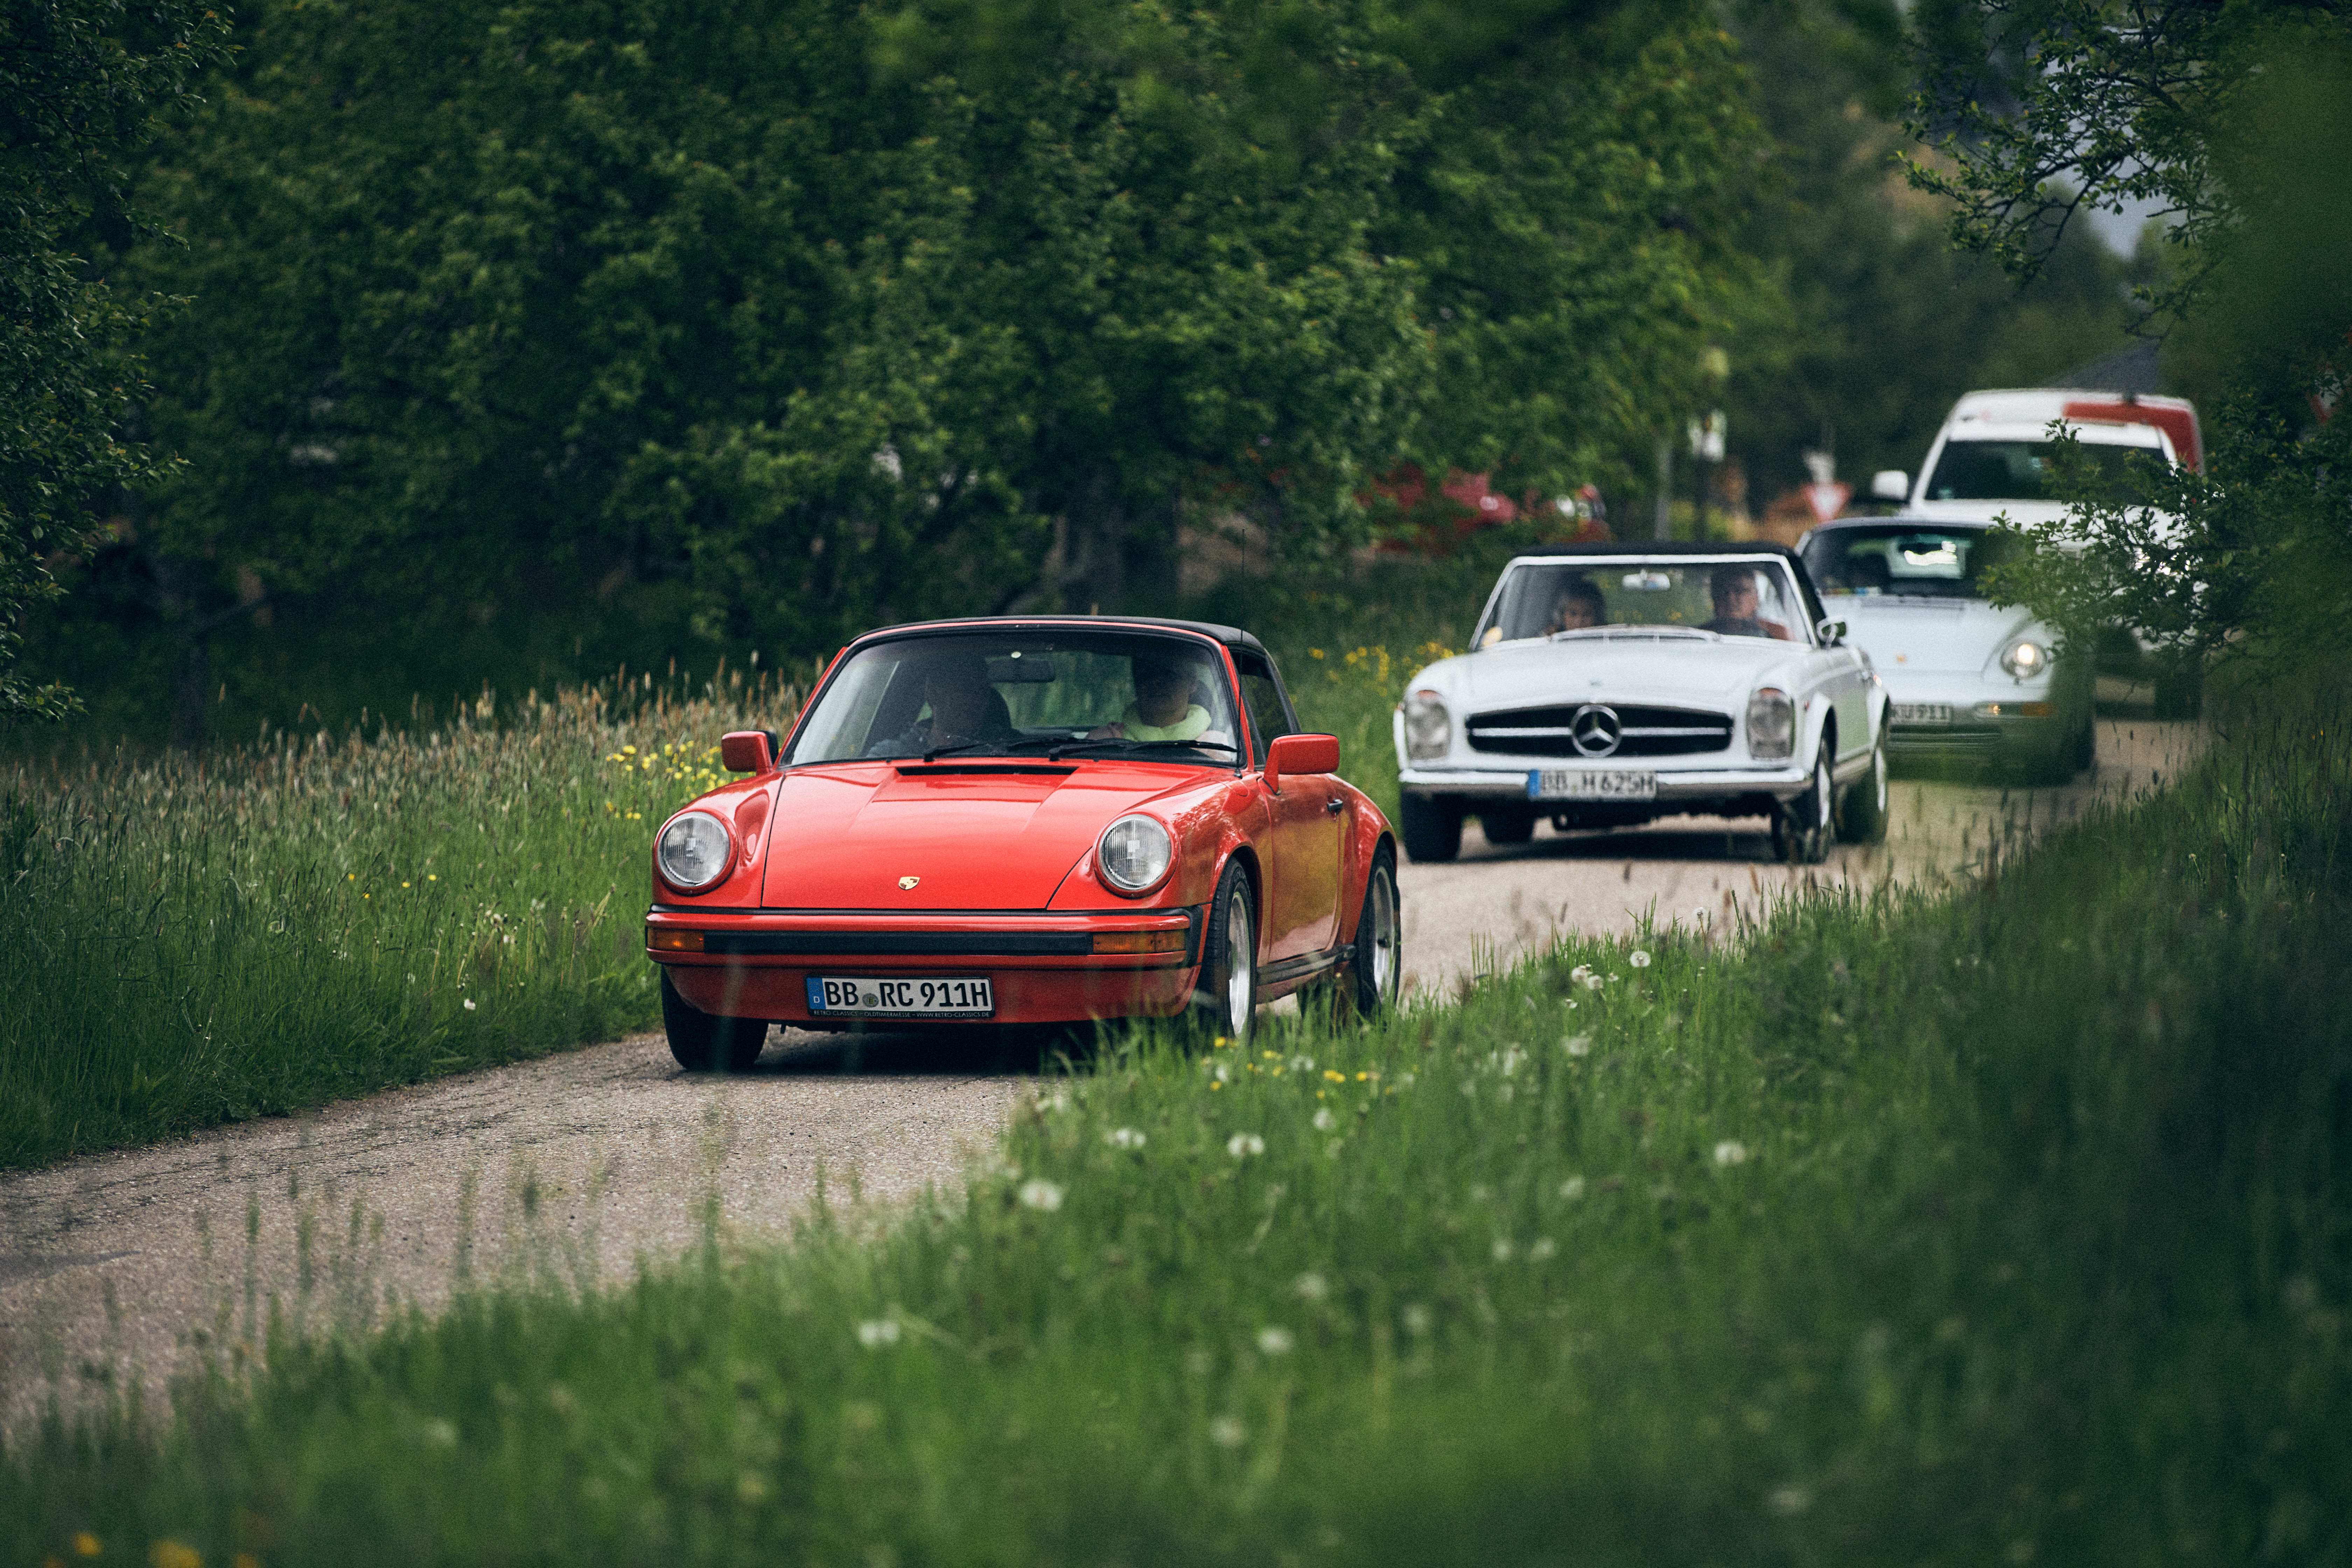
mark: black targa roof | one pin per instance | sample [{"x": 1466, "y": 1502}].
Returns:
[{"x": 1231, "y": 637}]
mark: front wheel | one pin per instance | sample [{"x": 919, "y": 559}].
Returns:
[
  {"x": 1862, "y": 810},
  {"x": 1507, "y": 825},
  {"x": 704, "y": 1042},
  {"x": 1801, "y": 827},
  {"x": 1225, "y": 996},
  {"x": 1374, "y": 969},
  {"x": 1432, "y": 829}
]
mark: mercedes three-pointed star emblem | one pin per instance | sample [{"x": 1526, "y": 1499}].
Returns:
[{"x": 1596, "y": 730}]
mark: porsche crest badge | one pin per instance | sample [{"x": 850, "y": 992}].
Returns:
[{"x": 906, "y": 884}]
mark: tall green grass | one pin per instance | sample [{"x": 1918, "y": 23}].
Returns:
[
  {"x": 2004, "y": 1226},
  {"x": 183, "y": 943}
]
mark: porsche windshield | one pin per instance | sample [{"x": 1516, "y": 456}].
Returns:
[
  {"x": 1905, "y": 561},
  {"x": 1058, "y": 692},
  {"x": 1731, "y": 598}
]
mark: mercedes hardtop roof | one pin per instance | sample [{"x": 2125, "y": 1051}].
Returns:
[{"x": 1231, "y": 637}]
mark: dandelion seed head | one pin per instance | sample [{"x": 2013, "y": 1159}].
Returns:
[
  {"x": 1639, "y": 959},
  {"x": 1502, "y": 1250},
  {"x": 1416, "y": 1316},
  {"x": 1310, "y": 1287},
  {"x": 1730, "y": 1152},
  {"x": 441, "y": 1433},
  {"x": 469, "y": 1004},
  {"x": 1542, "y": 1249},
  {"x": 1788, "y": 1501},
  {"x": 1227, "y": 1432},
  {"x": 1275, "y": 1342},
  {"x": 875, "y": 1333},
  {"x": 1572, "y": 1188},
  {"x": 1578, "y": 1045},
  {"x": 1125, "y": 1138},
  {"x": 1242, "y": 1145},
  {"x": 1324, "y": 1120},
  {"x": 1041, "y": 1194}
]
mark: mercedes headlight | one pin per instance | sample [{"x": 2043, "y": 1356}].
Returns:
[
  {"x": 693, "y": 850},
  {"x": 1771, "y": 724},
  {"x": 1134, "y": 854},
  {"x": 1428, "y": 728},
  {"x": 2025, "y": 659}
]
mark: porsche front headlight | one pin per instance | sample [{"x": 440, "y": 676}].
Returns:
[
  {"x": 693, "y": 850},
  {"x": 1428, "y": 728},
  {"x": 2025, "y": 659},
  {"x": 1771, "y": 724},
  {"x": 1135, "y": 852}
]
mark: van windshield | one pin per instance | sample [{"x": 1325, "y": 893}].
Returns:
[{"x": 2025, "y": 471}]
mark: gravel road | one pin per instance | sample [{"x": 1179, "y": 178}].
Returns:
[{"x": 575, "y": 1169}]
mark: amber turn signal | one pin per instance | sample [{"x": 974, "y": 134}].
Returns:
[
  {"x": 2018, "y": 709},
  {"x": 1141, "y": 941},
  {"x": 669, "y": 939}
]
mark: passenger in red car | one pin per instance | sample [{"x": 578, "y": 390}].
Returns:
[{"x": 1164, "y": 708}]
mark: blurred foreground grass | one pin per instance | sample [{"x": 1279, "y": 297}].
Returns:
[
  {"x": 2005, "y": 1227},
  {"x": 188, "y": 942}
]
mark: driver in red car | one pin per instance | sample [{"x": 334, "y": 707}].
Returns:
[
  {"x": 1164, "y": 708},
  {"x": 965, "y": 709}
]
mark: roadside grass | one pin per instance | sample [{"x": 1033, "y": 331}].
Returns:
[
  {"x": 2005, "y": 1226},
  {"x": 320, "y": 916}
]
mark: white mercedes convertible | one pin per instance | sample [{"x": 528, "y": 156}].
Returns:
[{"x": 1608, "y": 684}]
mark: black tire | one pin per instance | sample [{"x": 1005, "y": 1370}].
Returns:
[
  {"x": 1432, "y": 829},
  {"x": 1801, "y": 827},
  {"x": 1224, "y": 997},
  {"x": 1861, "y": 809},
  {"x": 1368, "y": 983},
  {"x": 703, "y": 1042},
  {"x": 1507, "y": 824}
]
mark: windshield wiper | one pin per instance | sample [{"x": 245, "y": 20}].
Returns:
[
  {"x": 936, "y": 752},
  {"x": 1058, "y": 753}
]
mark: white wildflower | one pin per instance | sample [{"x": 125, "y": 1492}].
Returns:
[
  {"x": 875, "y": 1333},
  {"x": 470, "y": 1004},
  {"x": 1639, "y": 959},
  {"x": 1302, "y": 1064},
  {"x": 1572, "y": 1188},
  {"x": 1125, "y": 1138},
  {"x": 1275, "y": 1342},
  {"x": 1242, "y": 1145},
  {"x": 1542, "y": 1249},
  {"x": 1324, "y": 1120},
  {"x": 1578, "y": 1045},
  {"x": 1227, "y": 1432},
  {"x": 1416, "y": 1316},
  {"x": 1310, "y": 1287},
  {"x": 1730, "y": 1152},
  {"x": 441, "y": 1434},
  {"x": 1503, "y": 1250},
  {"x": 1041, "y": 1194}
]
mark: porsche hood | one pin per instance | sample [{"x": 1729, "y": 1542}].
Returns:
[
  {"x": 870, "y": 836},
  {"x": 1930, "y": 637}
]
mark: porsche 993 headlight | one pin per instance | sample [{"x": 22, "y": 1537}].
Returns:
[
  {"x": 1771, "y": 724},
  {"x": 693, "y": 850},
  {"x": 2025, "y": 659},
  {"x": 1428, "y": 728},
  {"x": 1134, "y": 853}
]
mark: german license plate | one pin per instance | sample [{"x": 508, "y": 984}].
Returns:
[
  {"x": 900, "y": 996},
  {"x": 1922, "y": 712},
  {"x": 1575, "y": 783}
]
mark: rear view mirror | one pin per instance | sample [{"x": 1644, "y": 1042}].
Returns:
[
  {"x": 747, "y": 752},
  {"x": 1890, "y": 484},
  {"x": 1831, "y": 632},
  {"x": 1022, "y": 669},
  {"x": 1648, "y": 582}
]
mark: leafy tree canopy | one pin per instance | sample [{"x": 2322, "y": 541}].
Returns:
[{"x": 81, "y": 81}]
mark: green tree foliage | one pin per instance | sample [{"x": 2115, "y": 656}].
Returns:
[
  {"x": 2234, "y": 118},
  {"x": 1889, "y": 324},
  {"x": 791, "y": 319},
  {"x": 80, "y": 81}
]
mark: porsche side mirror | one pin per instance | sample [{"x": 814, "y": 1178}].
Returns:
[
  {"x": 1831, "y": 632},
  {"x": 747, "y": 752},
  {"x": 1301, "y": 754},
  {"x": 1890, "y": 484}
]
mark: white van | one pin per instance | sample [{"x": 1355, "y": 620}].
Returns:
[{"x": 1993, "y": 456}]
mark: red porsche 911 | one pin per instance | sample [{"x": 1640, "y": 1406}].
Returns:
[{"x": 1042, "y": 821}]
